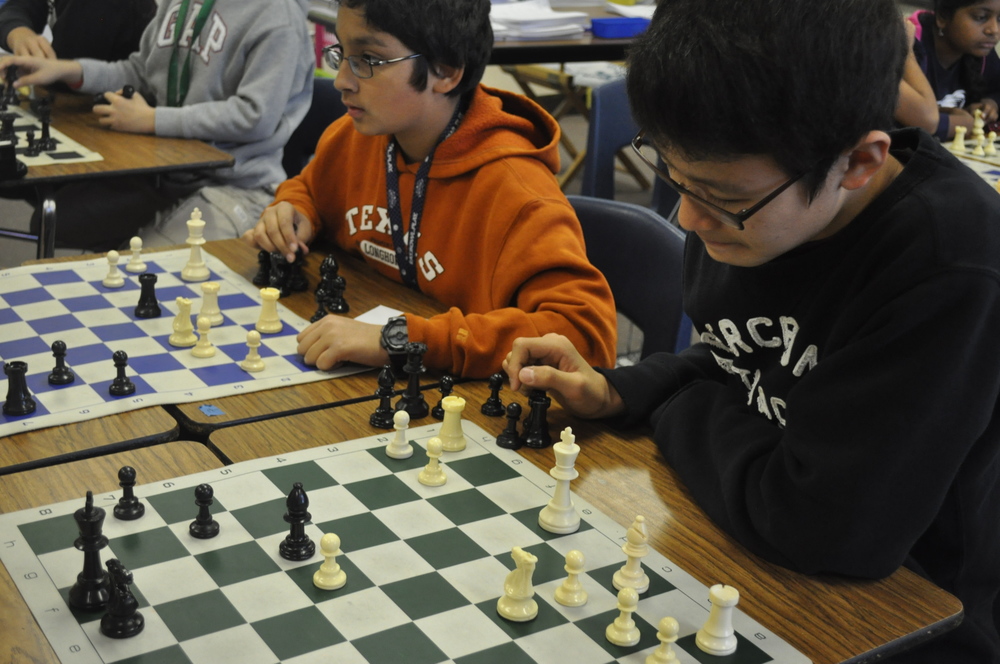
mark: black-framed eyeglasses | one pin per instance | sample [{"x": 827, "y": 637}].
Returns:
[
  {"x": 733, "y": 219},
  {"x": 361, "y": 66}
]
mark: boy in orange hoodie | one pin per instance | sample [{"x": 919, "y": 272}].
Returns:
[{"x": 446, "y": 186}]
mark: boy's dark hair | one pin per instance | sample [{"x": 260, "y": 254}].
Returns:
[
  {"x": 454, "y": 33},
  {"x": 800, "y": 81},
  {"x": 970, "y": 74}
]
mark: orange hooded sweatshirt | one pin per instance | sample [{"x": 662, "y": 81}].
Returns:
[{"x": 499, "y": 243}]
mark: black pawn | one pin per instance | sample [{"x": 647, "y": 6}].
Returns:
[
  {"x": 321, "y": 297},
  {"x": 128, "y": 508},
  {"x": 204, "y": 526},
  {"x": 333, "y": 286},
  {"x": 447, "y": 383},
  {"x": 263, "y": 276},
  {"x": 121, "y": 386},
  {"x": 123, "y": 619},
  {"x": 61, "y": 374},
  {"x": 19, "y": 401},
  {"x": 382, "y": 417},
  {"x": 297, "y": 282},
  {"x": 413, "y": 401},
  {"x": 90, "y": 592},
  {"x": 147, "y": 306},
  {"x": 508, "y": 438},
  {"x": 493, "y": 406},
  {"x": 33, "y": 148},
  {"x": 536, "y": 426},
  {"x": 297, "y": 545}
]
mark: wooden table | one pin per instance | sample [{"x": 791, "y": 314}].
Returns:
[
  {"x": 830, "y": 619},
  {"x": 21, "y": 640},
  {"x": 124, "y": 154}
]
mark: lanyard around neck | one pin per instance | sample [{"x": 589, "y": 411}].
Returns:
[{"x": 177, "y": 89}]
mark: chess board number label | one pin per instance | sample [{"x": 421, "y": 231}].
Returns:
[
  {"x": 45, "y": 511},
  {"x": 333, "y": 449},
  {"x": 75, "y": 648},
  {"x": 225, "y": 471},
  {"x": 760, "y": 637},
  {"x": 167, "y": 485},
  {"x": 668, "y": 569},
  {"x": 31, "y": 576},
  {"x": 138, "y": 400}
]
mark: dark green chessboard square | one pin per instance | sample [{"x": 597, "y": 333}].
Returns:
[
  {"x": 657, "y": 584},
  {"x": 309, "y": 473},
  {"x": 405, "y": 643},
  {"x": 483, "y": 469},
  {"x": 446, "y": 548},
  {"x": 507, "y": 653},
  {"x": 303, "y": 578},
  {"x": 747, "y": 652},
  {"x": 424, "y": 595},
  {"x": 236, "y": 563},
  {"x": 595, "y": 627},
  {"x": 358, "y": 532},
  {"x": 292, "y": 634},
  {"x": 380, "y": 492},
  {"x": 195, "y": 616},
  {"x": 90, "y": 616},
  {"x": 547, "y": 618},
  {"x": 51, "y": 535},
  {"x": 530, "y": 519},
  {"x": 171, "y": 655},
  {"x": 263, "y": 519},
  {"x": 416, "y": 460},
  {"x": 177, "y": 506},
  {"x": 148, "y": 548},
  {"x": 551, "y": 564},
  {"x": 466, "y": 506}
]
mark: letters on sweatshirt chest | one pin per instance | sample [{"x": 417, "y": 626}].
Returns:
[
  {"x": 369, "y": 229},
  {"x": 211, "y": 40}
]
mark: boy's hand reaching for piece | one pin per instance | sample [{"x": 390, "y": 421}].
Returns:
[{"x": 281, "y": 228}]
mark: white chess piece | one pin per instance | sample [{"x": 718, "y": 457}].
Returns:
[
  {"x": 635, "y": 547},
  {"x": 183, "y": 336},
  {"x": 571, "y": 592},
  {"x": 195, "y": 270},
  {"x": 667, "y": 634},
  {"x": 991, "y": 146},
  {"x": 203, "y": 347},
  {"x": 433, "y": 473},
  {"x": 399, "y": 447},
  {"x": 717, "y": 637},
  {"x": 451, "y": 427},
  {"x": 978, "y": 123},
  {"x": 978, "y": 150},
  {"x": 517, "y": 603},
  {"x": 958, "y": 143},
  {"x": 269, "y": 321},
  {"x": 560, "y": 516},
  {"x": 135, "y": 262},
  {"x": 253, "y": 361},
  {"x": 210, "y": 303},
  {"x": 115, "y": 279},
  {"x": 330, "y": 575},
  {"x": 623, "y": 632}
]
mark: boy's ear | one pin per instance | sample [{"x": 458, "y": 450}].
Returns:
[
  {"x": 444, "y": 79},
  {"x": 865, "y": 159}
]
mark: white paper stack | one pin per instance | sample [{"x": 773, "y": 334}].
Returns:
[
  {"x": 535, "y": 19},
  {"x": 631, "y": 11}
]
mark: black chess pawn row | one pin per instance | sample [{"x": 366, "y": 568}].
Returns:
[{"x": 535, "y": 433}]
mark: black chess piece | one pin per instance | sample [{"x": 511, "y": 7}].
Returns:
[
  {"x": 321, "y": 296},
  {"x": 493, "y": 406},
  {"x": 288, "y": 277},
  {"x": 90, "y": 592},
  {"x": 508, "y": 438},
  {"x": 536, "y": 426},
  {"x": 33, "y": 147},
  {"x": 129, "y": 508},
  {"x": 333, "y": 286},
  {"x": 43, "y": 109},
  {"x": 447, "y": 383},
  {"x": 121, "y": 386},
  {"x": 10, "y": 95},
  {"x": 7, "y": 132},
  {"x": 297, "y": 282},
  {"x": 263, "y": 276},
  {"x": 412, "y": 400},
  {"x": 204, "y": 526},
  {"x": 128, "y": 91},
  {"x": 147, "y": 306},
  {"x": 297, "y": 545},
  {"x": 382, "y": 417},
  {"x": 11, "y": 168},
  {"x": 61, "y": 374},
  {"x": 123, "y": 619},
  {"x": 19, "y": 401}
]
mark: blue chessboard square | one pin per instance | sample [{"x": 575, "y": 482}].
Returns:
[
  {"x": 85, "y": 303},
  {"x": 236, "y": 301},
  {"x": 88, "y": 354},
  {"x": 171, "y": 293},
  {"x": 27, "y": 296},
  {"x": 147, "y": 364},
  {"x": 222, "y": 374},
  {"x": 12, "y": 350},
  {"x": 39, "y": 411},
  {"x": 55, "y": 324},
  {"x": 239, "y": 351},
  {"x": 296, "y": 361},
  {"x": 129, "y": 285},
  {"x": 57, "y": 277},
  {"x": 9, "y": 316},
  {"x": 118, "y": 331},
  {"x": 141, "y": 386}
]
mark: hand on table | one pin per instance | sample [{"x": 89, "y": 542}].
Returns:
[
  {"x": 131, "y": 115},
  {"x": 552, "y": 363},
  {"x": 25, "y": 41},
  {"x": 42, "y": 71},
  {"x": 335, "y": 339},
  {"x": 281, "y": 228}
]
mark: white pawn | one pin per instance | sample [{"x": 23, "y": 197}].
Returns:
[
  {"x": 135, "y": 262},
  {"x": 635, "y": 547},
  {"x": 195, "y": 270},
  {"x": 623, "y": 632},
  {"x": 667, "y": 634},
  {"x": 399, "y": 447},
  {"x": 183, "y": 336},
  {"x": 203, "y": 347},
  {"x": 958, "y": 143},
  {"x": 991, "y": 146},
  {"x": 330, "y": 575},
  {"x": 433, "y": 473},
  {"x": 253, "y": 361},
  {"x": 210, "y": 303},
  {"x": 115, "y": 279},
  {"x": 269, "y": 321},
  {"x": 717, "y": 637},
  {"x": 560, "y": 516},
  {"x": 451, "y": 427},
  {"x": 517, "y": 603},
  {"x": 571, "y": 592},
  {"x": 978, "y": 150}
]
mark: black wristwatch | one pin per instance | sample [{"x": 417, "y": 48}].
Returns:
[{"x": 394, "y": 339}]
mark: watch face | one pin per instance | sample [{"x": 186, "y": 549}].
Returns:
[{"x": 395, "y": 335}]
